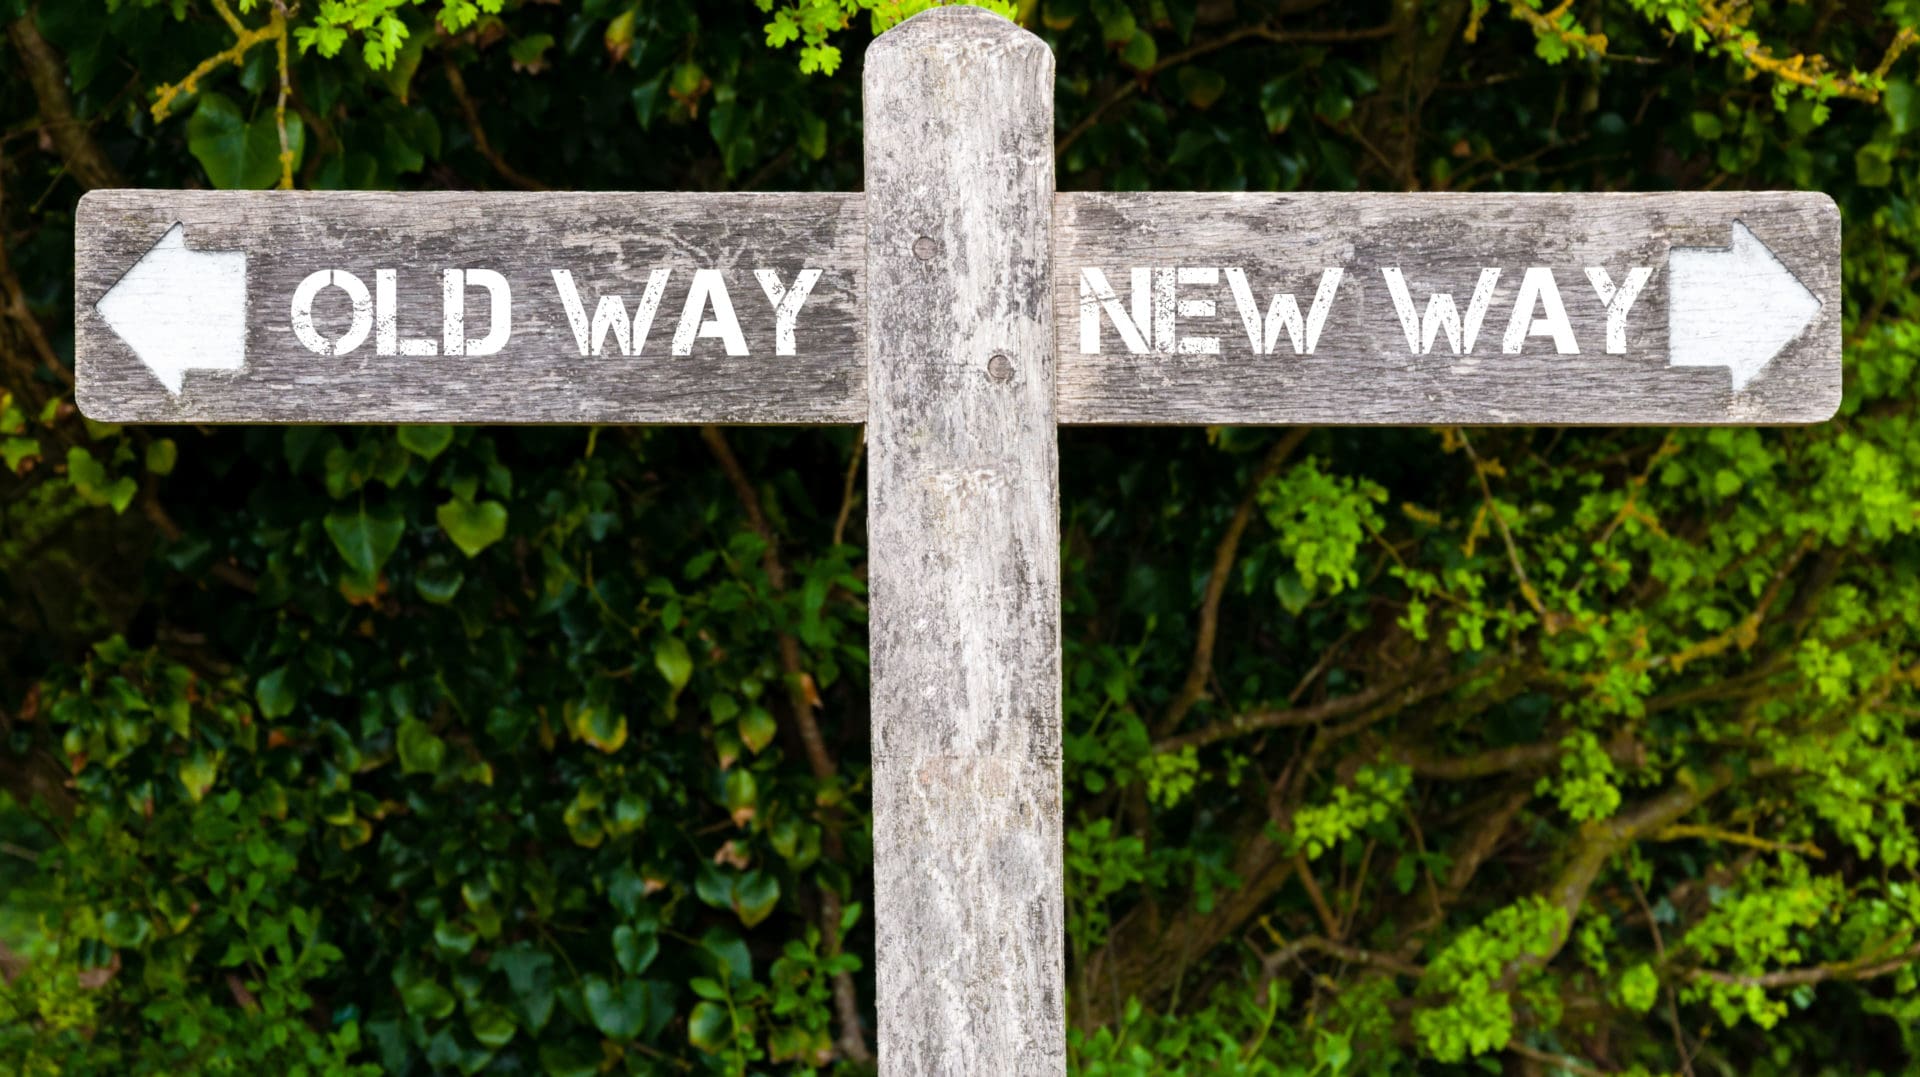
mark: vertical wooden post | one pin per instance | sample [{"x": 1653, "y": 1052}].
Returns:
[{"x": 963, "y": 548}]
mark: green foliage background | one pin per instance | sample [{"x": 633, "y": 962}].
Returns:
[{"x": 544, "y": 751}]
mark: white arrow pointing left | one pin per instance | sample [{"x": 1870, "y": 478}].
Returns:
[{"x": 181, "y": 310}]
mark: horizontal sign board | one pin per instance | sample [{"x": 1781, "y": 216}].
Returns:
[
  {"x": 1447, "y": 308},
  {"x": 1170, "y": 308},
  {"x": 199, "y": 306}
]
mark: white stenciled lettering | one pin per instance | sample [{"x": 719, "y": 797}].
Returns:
[
  {"x": 1441, "y": 315},
  {"x": 1196, "y": 308},
  {"x": 610, "y": 315},
  {"x": 1097, "y": 297},
  {"x": 709, "y": 289},
  {"x": 1618, "y": 300},
  {"x": 1537, "y": 289},
  {"x": 453, "y": 297},
  {"x": 786, "y": 303},
  {"x": 1283, "y": 312},
  {"x": 302, "y": 314},
  {"x": 386, "y": 319}
]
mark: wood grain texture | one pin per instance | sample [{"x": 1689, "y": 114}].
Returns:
[
  {"x": 1362, "y": 371},
  {"x": 963, "y": 541},
  {"x": 609, "y": 242}
]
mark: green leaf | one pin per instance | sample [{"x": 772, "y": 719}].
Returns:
[
  {"x": 90, "y": 481},
  {"x": 713, "y": 886},
  {"x": 198, "y": 773},
  {"x": 1873, "y": 164},
  {"x": 529, "y": 53},
  {"x": 365, "y": 540},
  {"x": 426, "y": 441},
  {"x": 530, "y": 974},
  {"x": 670, "y": 657},
  {"x": 757, "y": 728},
  {"x": 730, "y": 958},
  {"x": 236, "y": 153},
  {"x": 421, "y": 994},
  {"x": 438, "y": 582},
  {"x": 1902, "y": 102},
  {"x": 13, "y": 451},
  {"x": 619, "y": 1010},
  {"x": 1140, "y": 52},
  {"x": 571, "y": 1058},
  {"x": 596, "y": 723},
  {"x": 421, "y": 751},
  {"x": 754, "y": 896},
  {"x": 455, "y": 937},
  {"x": 274, "y": 694},
  {"x": 633, "y": 949},
  {"x": 124, "y": 930},
  {"x": 472, "y": 527},
  {"x": 1201, "y": 86},
  {"x": 708, "y": 1026},
  {"x": 162, "y": 454},
  {"x": 492, "y": 1025}
]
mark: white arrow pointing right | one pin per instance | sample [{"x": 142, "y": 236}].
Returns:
[
  {"x": 1734, "y": 306},
  {"x": 181, "y": 310}
]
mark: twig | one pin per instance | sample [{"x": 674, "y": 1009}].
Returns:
[
  {"x": 236, "y": 54},
  {"x": 1547, "y": 1058},
  {"x": 479, "y": 134},
  {"x": 847, "y": 493},
  {"x": 1223, "y": 558},
  {"x": 1683, "y": 831},
  {"x": 1550, "y": 620},
  {"x": 1352, "y": 955},
  {"x": 1304, "y": 871},
  {"x": 1660, "y": 958}
]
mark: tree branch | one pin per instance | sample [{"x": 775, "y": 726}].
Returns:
[
  {"x": 1859, "y": 968},
  {"x": 47, "y": 73},
  {"x": 1223, "y": 557}
]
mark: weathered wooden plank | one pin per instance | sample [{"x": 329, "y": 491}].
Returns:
[
  {"x": 963, "y": 547},
  {"x": 180, "y": 309},
  {"x": 1734, "y": 306}
]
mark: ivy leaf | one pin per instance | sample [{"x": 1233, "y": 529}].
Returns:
[
  {"x": 530, "y": 975},
  {"x": 162, "y": 454},
  {"x": 426, "y": 441},
  {"x": 421, "y": 751},
  {"x": 421, "y": 994},
  {"x": 670, "y": 657},
  {"x": 597, "y": 723},
  {"x": 492, "y": 1025},
  {"x": 198, "y": 773},
  {"x": 756, "y": 729},
  {"x": 708, "y": 1026},
  {"x": 238, "y": 154},
  {"x": 754, "y": 896},
  {"x": 634, "y": 949},
  {"x": 472, "y": 527},
  {"x": 365, "y": 540},
  {"x": 619, "y": 1010},
  {"x": 275, "y": 696}
]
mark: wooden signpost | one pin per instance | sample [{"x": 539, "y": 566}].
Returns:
[{"x": 962, "y": 310}]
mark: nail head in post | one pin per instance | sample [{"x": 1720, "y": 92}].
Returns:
[
  {"x": 1000, "y": 368},
  {"x": 925, "y": 248}
]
